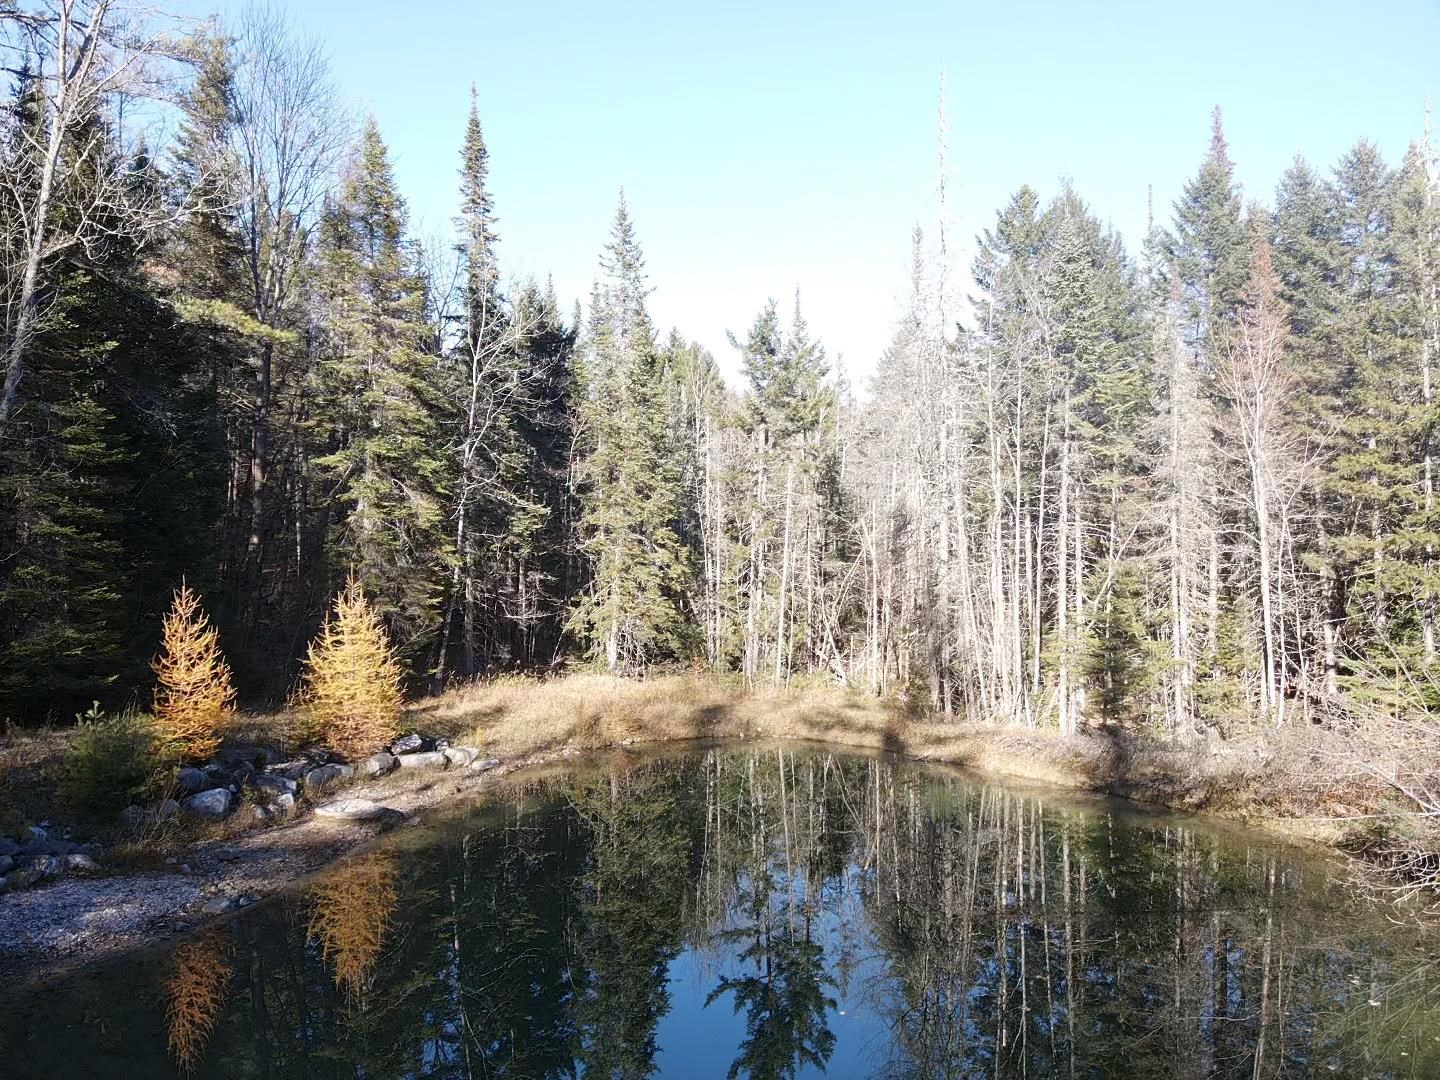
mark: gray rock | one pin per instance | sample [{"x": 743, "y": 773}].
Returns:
[
  {"x": 291, "y": 770},
  {"x": 217, "y": 905},
  {"x": 35, "y": 832},
  {"x": 280, "y": 785},
  {"x": 485, "y": 765},
  {"x": 192, "y": 781},
  {"x": 407, "y": 744},
  {"x": 214, "y": 803},
  {"x": 47, "y": 865},
  {"x": 377, "y": 764},
  {"x": 31, "y": 848},
  {"x": 22, "y": 879},
  {"x": 78, "y": 860},
  {"x": 326, "y": 775},
  {"x": 431, "y": 759},
  {"x": 167, "y": 809},
  {"x": 283, "y": 803},
  {"x": 460, "y": 756},
  {"x": 7, "y": 863},
  {"x": 350, "y": 809},
  {"x": 9, "y": 847}
]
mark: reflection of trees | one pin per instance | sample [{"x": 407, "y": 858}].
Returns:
[
  {"x": 352, "y": 908},
  {"x": 781, "y": 992},
  {"x": 974, "y": 930},
  {"x": 630, "y": 918},
  {"x": 762, "y": 868},
  {"x": 200, "y": 971}
]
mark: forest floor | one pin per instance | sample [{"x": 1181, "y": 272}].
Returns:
[{"x": 175, "y": 878}]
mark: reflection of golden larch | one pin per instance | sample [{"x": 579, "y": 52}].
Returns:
[
  {"x": 199, "y": 975},
  {"x": 352, "y": 911}
]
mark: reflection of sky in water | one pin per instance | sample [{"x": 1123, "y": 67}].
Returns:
[{"x": 778, "y": 911}]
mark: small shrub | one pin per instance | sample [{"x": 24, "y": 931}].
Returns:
[
  {"x": 194, "y": 694},
  {"x": 352, "y": 681},
  {"x": 112, "y": 762}
]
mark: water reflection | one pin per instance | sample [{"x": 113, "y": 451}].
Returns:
[{"x": 772, "y": 914}]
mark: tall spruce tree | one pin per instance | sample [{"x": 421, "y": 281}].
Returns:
[
  {"x": 384, "y": 458},
  {"x": 632, "y": 613}
]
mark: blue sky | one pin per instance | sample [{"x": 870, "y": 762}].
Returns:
[{"x": 765, "y": 146}]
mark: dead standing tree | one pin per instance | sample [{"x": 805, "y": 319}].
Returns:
[{"x": 70, "y": 186}]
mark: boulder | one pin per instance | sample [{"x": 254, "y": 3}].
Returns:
[
  {"x": 35, "y": 832},
  {"x": 31, "y": 848},
  {"x": 485, "y": 765},
  {"x": 377, "y": 764},
  {"x": 78, "y": 860},
  {"x": 291, "y": 770},
  {"x": 460, "y": 756},
  {"x": 326, "y": 775},
  {"x": 215, "y": 803},
  {"x": 192, "y": 781},
  {"x": 167, "y": 809},
  {"x": 8, "y": 846},
  {"x": 279, "y": 785},
  {"x": 350, "y": 809},
  {"x": 407, "y": 744},
  {"x": 7, "y": 863},
  {"x": 284, "y": 803},
  {"x": 47, "y": 865},
  {"x": 22, "y": 879},
  {"x": 430, "y": 759}
]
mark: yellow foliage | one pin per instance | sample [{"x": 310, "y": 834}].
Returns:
[
  {"x": 193, "y": 698},
  {"x": 352, "y": 681},
  {"x": 195, "y": 992},
  {"x": 353, "y": 905}
]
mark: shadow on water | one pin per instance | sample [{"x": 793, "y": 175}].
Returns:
[{"x": 769, "y": 912}]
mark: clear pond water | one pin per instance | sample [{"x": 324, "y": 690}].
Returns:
[{"x": 770, "y": 913}]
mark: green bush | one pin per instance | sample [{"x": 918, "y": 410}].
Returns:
[{"x": 112, "y": 762}]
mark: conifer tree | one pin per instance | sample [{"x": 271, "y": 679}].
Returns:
[
  {"x": 194, "y": 693},
  {"x": 631, "y": 614},
  {"x": 1209, "y": 247},
  {"x": 351, "y": 683},
  {"x": 386, "y": 460}
]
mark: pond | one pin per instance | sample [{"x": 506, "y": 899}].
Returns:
[{"x": 770, "y": 912}]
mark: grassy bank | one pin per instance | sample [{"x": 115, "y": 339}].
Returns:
[
  {"x": 1297, "y": 778},
  {"x": 1299, "y": 775}
]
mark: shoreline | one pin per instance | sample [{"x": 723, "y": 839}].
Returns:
[{"x": 55, "y": 928}]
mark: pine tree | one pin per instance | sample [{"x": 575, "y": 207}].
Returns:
[
  {"x": 194, "y": 691},
  {"x": 386, "y": 462},
  {"x": 352, "y": 681},
  {"x": 631, "y": 615}
]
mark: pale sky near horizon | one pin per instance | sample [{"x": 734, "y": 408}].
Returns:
[{"x": 769, "y": 146}]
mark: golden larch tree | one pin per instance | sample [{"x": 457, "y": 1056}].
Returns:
[
  {"x": 194, "y": 994},
  {"x": 352, "y": 680},
  {"x": 194, "y": 693}
]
